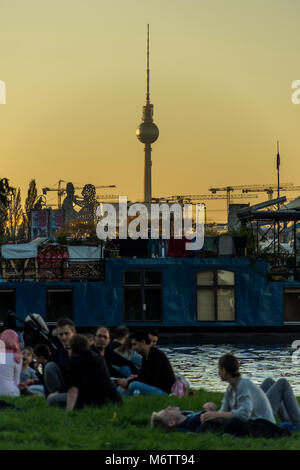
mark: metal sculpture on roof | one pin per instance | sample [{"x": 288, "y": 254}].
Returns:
[
  {"x": 89, "y": 204},
  {"x": 70, "y": 213}
]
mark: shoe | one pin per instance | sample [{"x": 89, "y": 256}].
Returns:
[
  {"x": 286, "y": 425},
  {"x": 290, "y": 426}
]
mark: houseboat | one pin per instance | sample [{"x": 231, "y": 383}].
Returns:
[{"x": 211, "y": 295}]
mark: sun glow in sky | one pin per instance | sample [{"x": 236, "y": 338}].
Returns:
[{"x": 220, "y": 82}]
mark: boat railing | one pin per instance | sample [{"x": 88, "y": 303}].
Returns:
[
  {"x": 79, "y": 270},
  {"x": 285, "y": 265}
]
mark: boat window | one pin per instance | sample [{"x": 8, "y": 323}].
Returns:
[
  {"x": 215, "y": 295},
  {"x": 7, "y": 302},
  {"x": 291, "y": 306},
  {"x": 59, "y": 304},
  {"x": 142, "y": 295},
  {"x": 132, "y": 278}
]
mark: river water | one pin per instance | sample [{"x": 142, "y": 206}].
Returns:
[{"x": 199, "y": 363}]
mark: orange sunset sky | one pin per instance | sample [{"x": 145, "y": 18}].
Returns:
[{"x": 220, "y": 82}]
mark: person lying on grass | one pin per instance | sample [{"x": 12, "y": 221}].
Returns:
[{"x": 172, "y": 418}]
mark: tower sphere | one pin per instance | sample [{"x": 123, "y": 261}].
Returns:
[{"x": 147, "y": 132}]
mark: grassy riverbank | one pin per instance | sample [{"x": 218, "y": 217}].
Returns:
[{"x": 114, "y": 427}]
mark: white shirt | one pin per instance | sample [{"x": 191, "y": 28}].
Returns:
[{"x": 10, "y": 376}]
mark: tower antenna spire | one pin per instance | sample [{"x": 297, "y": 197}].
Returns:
[
  {"x": 148, "y": 68},
  {"x": 147, "y": 133}
]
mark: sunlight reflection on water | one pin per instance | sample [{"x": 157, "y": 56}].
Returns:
[{"x": 199, "y": 363}]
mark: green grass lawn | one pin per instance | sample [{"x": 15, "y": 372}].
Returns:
[{"x": 113, "y": 427}]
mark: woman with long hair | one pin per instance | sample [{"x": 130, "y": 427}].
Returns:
[{"x": 10, "y": 363}]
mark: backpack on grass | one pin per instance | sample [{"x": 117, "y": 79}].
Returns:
[{"x": 180, "y": 388}]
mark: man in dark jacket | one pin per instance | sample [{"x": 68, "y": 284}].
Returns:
[
  {"x": 100, "y": 346},
  {"x": 156, "y": 375},
  {"x": 90, "y": 381},
  {"x": 57, "y": 370}
]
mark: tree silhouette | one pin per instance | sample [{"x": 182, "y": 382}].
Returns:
[
  {"x": 29, "y": 204},
  {"x": 15, "y": 214},
  {"x": 5, "y": 194}
]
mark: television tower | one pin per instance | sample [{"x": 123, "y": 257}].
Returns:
[{"x": 147, "y": 133}]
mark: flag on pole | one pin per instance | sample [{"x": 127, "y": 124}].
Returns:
[{"x": 278, "y": 157}]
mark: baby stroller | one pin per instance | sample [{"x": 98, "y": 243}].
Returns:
[{"x": 35, "y": 330}]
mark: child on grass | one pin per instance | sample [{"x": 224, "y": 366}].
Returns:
[
  {"x": 28, "y": 375},
  {"x": 29, "y": 379}
]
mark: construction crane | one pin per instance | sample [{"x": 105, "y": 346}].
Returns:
[
  {"x": 107, "y": 196},
  {"x": 269, "y": 188},
  {"x": 188, "y": 198},
  {"x": 61, "y": 191},
  {"x": 197, "y": 197},
  {"x": 103, "y": 196},
  {"x": 270, "y": 191},
  {"x": 201, "y": 197}
]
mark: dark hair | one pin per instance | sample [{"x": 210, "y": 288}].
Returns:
[
  {"x": 65, "y": 322},
  {"x": 89, "y": 335},
  {"x": 141, "y": 336},
  {"x": 79, "y": 344},
  {"x": 121, "y": 331},
  {"x": 42, "y": 350},
  {"x": 153, "y": 331},
  {"x": 29, "y": 349},
  {"x": 105, "y": 327},
  {"x": 125, "y": 347},
  {"x": 230, "y": 364}
]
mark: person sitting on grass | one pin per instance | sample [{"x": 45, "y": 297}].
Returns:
[
  {"x": 90, "y": 381},
  {"x": 121, "y": 333},
  {"x": 28, "y": 374},
  {"x": 245, "y": 400},
  {"x": 57, "y": 370},
  {"x": 117, "y": 365},
  {"x": 283, "y": 402},
  {"x": 242, "y": 399},
  {"x": 172, "y": 418},
  {"x": 11, "y": 364},
  {"x": 156, "y": 375},
  {"x": 90, "y": 337},
  {"x": 153, "y": 336},
  {"x": 126, "y": 351},
  {"x": 42, "y": 355}
]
